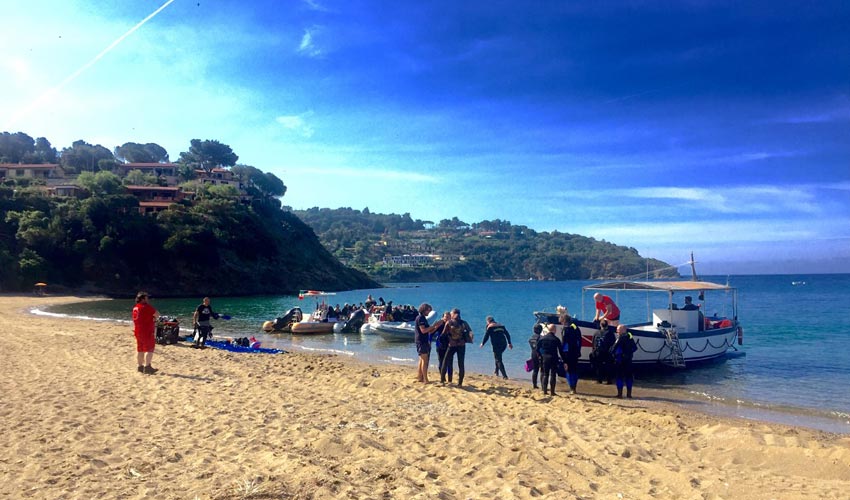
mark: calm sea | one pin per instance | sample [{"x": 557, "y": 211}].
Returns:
[{"x": 794, "y": 366}]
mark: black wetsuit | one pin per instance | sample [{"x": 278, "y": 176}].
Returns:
[
  {"x": 572, "y": 353},
  {"x": 500, "y": 339},
  {"x": 441, "y": 338},
  {"x": 623, "y": 352},
  {"x": 456, "y": 331},
  {"x": 602, "y": 343},
  {"x": 536, "y": 362},
  {"x": 549, "y": 348}
]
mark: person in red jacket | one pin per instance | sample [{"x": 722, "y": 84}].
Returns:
[
  {"x": 144, "y": 328},
  {"x": 606, "y": 309}
]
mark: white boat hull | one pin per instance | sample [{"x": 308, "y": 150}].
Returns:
[
  {"x": 654, "y": 348},
  {"x": 395, "y": 331}
]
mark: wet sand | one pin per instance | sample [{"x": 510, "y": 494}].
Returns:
[{"x": 81, "y": 422}]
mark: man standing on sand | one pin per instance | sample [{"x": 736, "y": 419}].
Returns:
[
  {"x": 606, "y": 309},
  {"x": 500, "y": 340},
  {"x": 422, "y": 336},
  {"x": 201, "y": 319},
  {"x": 549, "y": 348},
  {"x": 144, "y": 328}
]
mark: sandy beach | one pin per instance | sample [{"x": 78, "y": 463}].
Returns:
[{"x": 80, "y": 422}]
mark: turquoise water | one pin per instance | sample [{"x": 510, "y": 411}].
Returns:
[{"x": 794, "y": 365}]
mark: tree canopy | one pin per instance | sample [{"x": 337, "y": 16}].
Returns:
[
  {"x": 82, "y": 157},
  {"x": 21, "y": 148},
  {"x": 208, "y": 154},
  {"x": 265, "y": 182},
  {"x": 134, "y": 152}
]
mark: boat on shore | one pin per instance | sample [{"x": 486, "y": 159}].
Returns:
[
  {"x": 320, "y": 321},
  {"x": 283, "y": 324},
  {"x": 393, "y": 331},
  {"x": 670, "y": 336}
]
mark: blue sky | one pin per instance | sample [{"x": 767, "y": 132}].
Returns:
[{"x": 721, "y": 128}]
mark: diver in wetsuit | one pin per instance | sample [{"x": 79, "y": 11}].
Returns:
[
  {"x": 571, "y": 350},
  {"x": 602, "y": 343},
  {"x": 441, "y": 338},
  {"x": 549, "y": 348},
  {"x": 500, "y": 340},
  {"x": 459, "y": 334},
  {"x": 623, "y": 351},
  {"x": 536, "y": 362}
]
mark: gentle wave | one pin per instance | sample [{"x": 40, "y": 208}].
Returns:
[
  {"x": 38, "y": 312},
  {"x": 403, "y": 360},
  {"x": 332, "y": 351}
]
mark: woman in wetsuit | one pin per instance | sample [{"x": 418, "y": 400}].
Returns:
[
  {"x": 536, "y": 362},
  {"x": 572, "y": 350},
  {"x": 441, "y": 338}
]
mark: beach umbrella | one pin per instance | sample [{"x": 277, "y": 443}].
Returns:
[{"x": 40, "y": 284}]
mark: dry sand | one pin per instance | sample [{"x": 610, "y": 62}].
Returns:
[{"x": 78, "y": 421}]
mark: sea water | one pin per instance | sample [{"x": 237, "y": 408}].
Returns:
[{"x": 794, "y": 366}]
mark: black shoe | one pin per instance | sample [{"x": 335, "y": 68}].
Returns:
[
  {"x": 150, "y": 370},
  {"x": 572, "y": 390},
  {"x": 141, "y": 369},
  {"x": 545, "y": 392},
  {"x": 629, "y": 394},
  {"x": 552, "y": 394},
  {"x": 536, "y": 387}
]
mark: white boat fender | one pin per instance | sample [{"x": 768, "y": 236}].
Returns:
[{"x": 740, "y": 336}]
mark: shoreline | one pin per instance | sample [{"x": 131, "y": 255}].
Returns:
[
  {"x": 815, "y": 419},
  {"x": 218, "y": 425}
]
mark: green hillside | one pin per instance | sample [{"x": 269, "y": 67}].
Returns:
[{"x": 453, "y": 250}]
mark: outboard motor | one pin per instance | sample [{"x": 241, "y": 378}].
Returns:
[
  {"x": 354, "y": 322},
  {"x": 285, "y": 322}
]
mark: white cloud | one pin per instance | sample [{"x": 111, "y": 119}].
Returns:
[
  {"x": 297, "y": 123},
  {"x": 314, "y": 5},
  {"x": 308, "y": 45},
  {"x": 372, "y": 173},
  {"x": 756, "y": 199},
  {"x": 18, "y": 69}
]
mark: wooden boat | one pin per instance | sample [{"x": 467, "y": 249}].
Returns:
[{"x": 670, "y": 336}]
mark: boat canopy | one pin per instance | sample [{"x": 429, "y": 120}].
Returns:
[{"x": 660, "y": 286}]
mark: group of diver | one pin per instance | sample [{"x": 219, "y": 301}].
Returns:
[
  {"x": 613, "y": 350},
  {"x": 385, "y": 310},
  {"x": 611, "y": 357}
]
